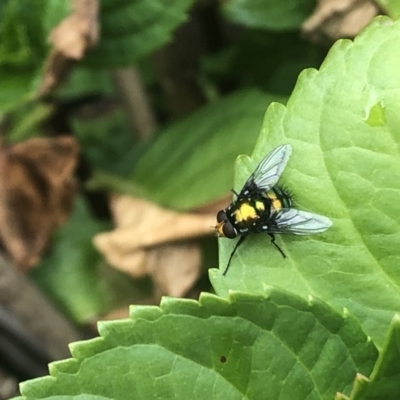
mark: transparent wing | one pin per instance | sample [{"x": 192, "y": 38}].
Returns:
[
  {"x": 267, "y": 174},
  {"x": 290, "y": 220}
]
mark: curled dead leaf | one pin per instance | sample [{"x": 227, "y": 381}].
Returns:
[
  {"x": 152, "y": 240},
  {"x": 335, "y": 19},
  {"x": 36, "y": 194},
  {"x": 70, "y": 40}
]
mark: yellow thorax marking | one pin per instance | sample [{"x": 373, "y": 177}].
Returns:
[
  {"x": 276, "y": 203},
  {"x": 260, "y": 206},
  {"x": 245, "y": 212}
]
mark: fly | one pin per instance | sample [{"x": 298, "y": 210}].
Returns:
[{"x": 264, "y": 207}]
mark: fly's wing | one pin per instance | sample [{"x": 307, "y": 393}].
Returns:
[
  {"x": 267, "y": 174},
  {"x": 290, "y": 220}
]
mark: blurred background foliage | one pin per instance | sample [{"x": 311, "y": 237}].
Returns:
[{"x": 162, "y": 99}]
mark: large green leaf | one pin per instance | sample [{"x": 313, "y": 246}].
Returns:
[
  {"x": 131, "y": 30},
  {"x": 241, "y": 348},
  {"x": 344, "y": 125},
  {"x": 269, "y": 14},
  {"x": 384, "y": 382},
  {"x": 191, "y": 162}
]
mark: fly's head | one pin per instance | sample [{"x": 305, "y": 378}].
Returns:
[{"x": 224, "y": 227}]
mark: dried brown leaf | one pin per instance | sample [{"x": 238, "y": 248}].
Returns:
[
  {"x": 335, "y": 19},
  {"x": 70, "y": 40},
  {"x": 174, "y": 268},
  {"x": 150, "y": 240},
  {"x": 36, "y": 193},
  {"x": 154, "y": 225}
]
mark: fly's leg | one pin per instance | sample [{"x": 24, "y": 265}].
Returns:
[
  {"x": 272, "y": 236},
  {"x": 239, "y": 242}
]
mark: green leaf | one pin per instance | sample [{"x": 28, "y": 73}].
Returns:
[
  {"x": 24, "y": 26},
  {"x": 206, "y": 144},
  {"x": 27, "y": 120},
  {"x": 384, "y": 383},
  {"x": 16, "y": 88},
  {"x": 21, "y": 50},
  {"x": 107, "y": 141},
  {"x": 345, "y": 165},
  {"x": 131, "y": 30},
  {"x": 392, "y": 7},
  {"x": 20, "y": 30},
  {"x": 385, "y": 377},
  {"x": 268, "y": 14},
  {"x": 268, "y": 60},
  {"x": 73, "y": 266},
  {"x": 78, "y": 397},
  {"x": 243, "y": 347},
  {"x": 84, "y": 81},
  {"x": 54, "y": 13}
]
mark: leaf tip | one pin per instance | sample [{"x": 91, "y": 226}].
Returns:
[
  {"x": 382, "y": 20},
  {"x": 341, "y": 396},
  {"x": 345, "y": 312},
  {"x": 362, "y": 378},
  {"x": 396, "y": 319},
  {"x": 267, "y": 290}
]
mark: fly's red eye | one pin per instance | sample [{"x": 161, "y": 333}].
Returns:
[
  {"x": 221, "y": 216},
  {"x": 229, "y": 230}
]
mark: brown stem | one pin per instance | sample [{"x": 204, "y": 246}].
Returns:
[
  {"x": 133, "y": 92},
  {"x": 33, "y": 311}
]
